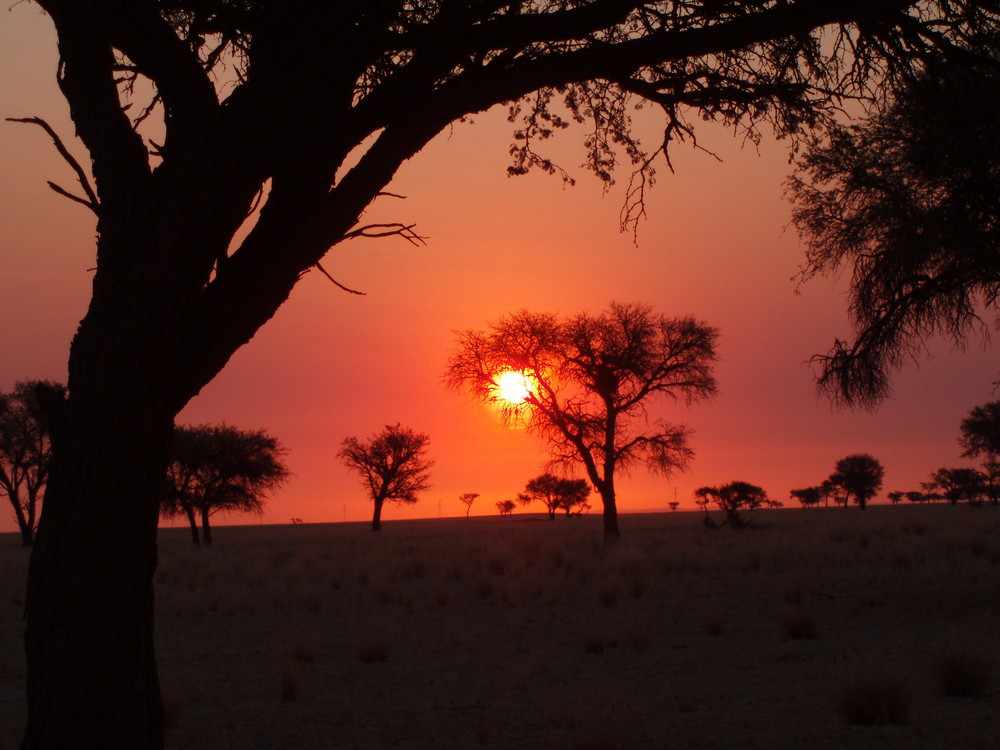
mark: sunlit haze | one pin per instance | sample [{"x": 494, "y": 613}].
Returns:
[{"x": 717, "y": 245}]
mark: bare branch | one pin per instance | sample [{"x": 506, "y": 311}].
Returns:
[
  {"x": 388, "y": 230},
  {"x": 337, "y": 283},
  {"x": 77, "y": 199},
  {"x": 92, "y": 203}
]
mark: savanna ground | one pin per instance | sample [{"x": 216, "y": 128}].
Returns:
[{"x": 521, "y": 633}]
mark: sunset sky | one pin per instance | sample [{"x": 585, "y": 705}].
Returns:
[{"x": 717, "y": 245}]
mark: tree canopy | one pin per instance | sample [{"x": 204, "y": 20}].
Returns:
[
  {"x": 859, "y": 476},
  {"x": 392, "y": 465},
  {"x": 220, "y": 469},
  {"x": 589, "y": 380},
  {"x": 906, "y": 201},
  {"x": 25, "y": 452},
  {"x": 557, "y": 493},
  {"x": 733, "y": 497}
]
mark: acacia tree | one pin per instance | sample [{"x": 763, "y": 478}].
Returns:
[
  {"x": 958, "y": 483},
  {"x": 467, "y": 499},
  {"x": 506, "y": 507},
  {"x": 588, "y": 382},
  {"x": 980, "y": 436},
  {"x": 187, "y": 271},
  {"x": 556, "y": 493},
  {"x": 733, "y": 497},
  {"x": 907, "y": 200},
  {"x": 808, "y": 496},
  {"x": 392, "y": 466},
  {"x": 858, "y": 475},
  {"x": 25, "y": 451},
  {"x": 220, "y": 468}
]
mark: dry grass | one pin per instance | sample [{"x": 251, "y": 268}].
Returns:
[{"x": 513, "y": 633}]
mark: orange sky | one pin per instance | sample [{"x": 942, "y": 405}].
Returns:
[{"x": 717, "y": 245}]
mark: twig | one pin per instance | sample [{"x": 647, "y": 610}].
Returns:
[
  {"x": 346, "y": 289},
  {"x": 91, "y": 202}
]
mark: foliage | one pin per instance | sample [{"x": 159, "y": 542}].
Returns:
[
  {"x": 590, "y": 380},
  {"x": 557, "y": 493},
  {"x": 859, "y": 476},
  {"x": 220, "y": 468},
  {"x": 906, "y": 201},
  {"x": 980, "y": 436},
  {"x": 807, "y": 496},
  {"x": 506, "y": 507},
  {"x": 962, "y": 483},
  {"x": 733, "y": 497},
  {"x": 896, "y": 497},
  {"x": 392, "y": 465},
  {"x": 25, "y": 451}
]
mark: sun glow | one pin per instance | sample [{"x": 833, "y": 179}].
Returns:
[{"x": 513, "y": 386}]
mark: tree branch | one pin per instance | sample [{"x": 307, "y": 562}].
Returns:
[{"x": 91, "y": 201}]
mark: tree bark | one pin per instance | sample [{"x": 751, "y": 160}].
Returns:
[
  {"x": 611, "y": 531},
  {"x": 377, "y": 517},
  {"x": 194, "y": 526},
  {"x": 92, "y": 680},
  {"x": 206, "y": 528}
]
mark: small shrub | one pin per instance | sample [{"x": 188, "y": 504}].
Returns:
[
  {"x": 874, "y": 694},
  {"x": 962, "y": 671}
]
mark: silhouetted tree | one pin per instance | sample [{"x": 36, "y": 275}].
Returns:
[
  {"x": 896, "y": 497},
  {"x": 187, "y": 271},
  {"x": 962, "y": 483},
  {"x": 506, "y": 507},
  {"x": 467, "y": 499},
  {"x": 220, "y": 468},
  {"x": 392, "y": 466},
  {"x": 808, "y": 496},
  {"x": 673, "y": 505},
  {"x": 556, "y": 493},
  {"x": 916, "y": 496},
  {"x": 907, "y": 200},
  {"x": 25, "y": 451},
  {"x": 859, "y": 476},
  {"x": 980, "y": 436},
  {"x": 733, "y": 497},
  {"x": 589, "y": 380}
]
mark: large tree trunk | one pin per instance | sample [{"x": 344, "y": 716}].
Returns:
[
  {"x": 206, "y": 528},
  {"x": 193, "y": 522},
  {"x": 92, "y": 680},
  {"x": 611, "y": 531},
  {"x": 377, "y": 516}
]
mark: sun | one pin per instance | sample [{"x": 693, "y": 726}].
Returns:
[{"x": 513, "y": 387}]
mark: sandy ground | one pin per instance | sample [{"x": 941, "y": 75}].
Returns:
[{"x": 521, "y": 633}]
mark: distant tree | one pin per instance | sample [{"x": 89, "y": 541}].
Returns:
[
  {"x": 587, "y": 385},
  {"x": 896, "y": 497},
  {"x": 25, "y": 450},
  {"x": 392, "y": 466},
  {"x": 980, "y": 437},
  {"x": 733, "y": 497},
  {"x": 827, "y": 490},
  {"x": 467, "y": 499},
  {"x": 574, "y": 494},
  {"x": 673, "y": 505},
  {"x": 808, "y": 496},
  {"x": 916, "y": 496},
  {"x": 506, "y": 507},
  {"x": 219, "y": 468},
  {"x": 859, "y": 476},
  {"x": 962, "y": 483},
  {"x": 906, "y": 201},
  {"x": 557, "y": 493}
]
